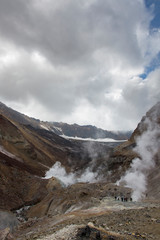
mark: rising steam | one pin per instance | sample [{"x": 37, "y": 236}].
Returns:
[
  {"x": 147, "y": 147},
  {"x": 67, "y": 179},
  {"x": 91, "y": 174}
]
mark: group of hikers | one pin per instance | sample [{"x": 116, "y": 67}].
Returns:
[{"x": 123, "y": 199}]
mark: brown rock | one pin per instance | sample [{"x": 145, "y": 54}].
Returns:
[{"x": 6, "y": 235}]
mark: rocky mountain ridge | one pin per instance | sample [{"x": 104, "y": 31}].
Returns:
[
  {"x": 144, "y": 144},
  {"x": 27, "y": 152},
  {"x": 90, "y": 211},
  {"x": 72, "y": 130},
  {"x": 88, "y": 131}
]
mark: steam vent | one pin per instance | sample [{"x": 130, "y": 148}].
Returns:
[{"x": 56, "y": 187}]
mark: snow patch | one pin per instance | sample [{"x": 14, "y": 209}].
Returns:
[
  {"x": 58, "y": 129},
  {"x": 44, "y": 127},
  {"x": 92, "y": 139}
]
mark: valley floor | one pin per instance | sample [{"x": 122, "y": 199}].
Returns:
[{"x": 109, "y": 219}]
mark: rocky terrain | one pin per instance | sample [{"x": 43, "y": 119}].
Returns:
[
  {"x": 88, "y": 131},
  {"x": 144, "y": 144},
  {"x": 108, "y": 219},
  {"x": 25, "y": 156},
  {"x": 72, "y": 130},
  {"x": 33, "y": 207}
]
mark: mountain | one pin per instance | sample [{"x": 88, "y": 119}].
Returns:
[
  {"x": 73, "y": 130},
  {"x": 28, "y": 151},
  {"x": 140, "y": 155},
  {"x": 25, "y": 156},
  {"x": 18, "y": 117},
  {"x": 88, "y": 208},
  {"x": 88, "y": 131},
  {"x": 139, "y": 160}
]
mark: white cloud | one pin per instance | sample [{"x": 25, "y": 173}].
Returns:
[{"x": 78, "y": 61}]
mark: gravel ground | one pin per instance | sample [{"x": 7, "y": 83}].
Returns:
[{"x": 130, "y": 220}]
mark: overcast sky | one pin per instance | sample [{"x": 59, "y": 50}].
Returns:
[{"x": 81, "y": 61}]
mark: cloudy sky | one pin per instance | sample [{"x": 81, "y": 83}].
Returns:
[{"x": 81, "y": 61}]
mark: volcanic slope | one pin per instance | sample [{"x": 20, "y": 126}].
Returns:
[
  {"x": 90, "y": 211},
  {"x": 71, "y": 130},
  {"x": 83, "y": 210},
  {"x": 26, "y": 153},
  {"x": 144, "y": 144}
]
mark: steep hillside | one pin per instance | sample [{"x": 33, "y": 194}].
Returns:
[
  {"x": 99, "y": 210},
  {"x": 19, "y": 184},
  {"x": 63, "y": 128},
  {"x": 26, "y": 153},
  {"x": 87, "y": 131},
  {"x": 18, "y": 117},
  {"x": 38, "y": 148},
  {"x": 142, "y": 152},
  {"x": 152, "y": 116}
]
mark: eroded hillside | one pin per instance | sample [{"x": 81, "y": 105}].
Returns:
[{"x": 100, "y": 210}]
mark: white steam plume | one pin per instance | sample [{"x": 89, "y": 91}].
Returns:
[
  {"x": 67, "y": 179},
  {"x": 147, "y": 147}
]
